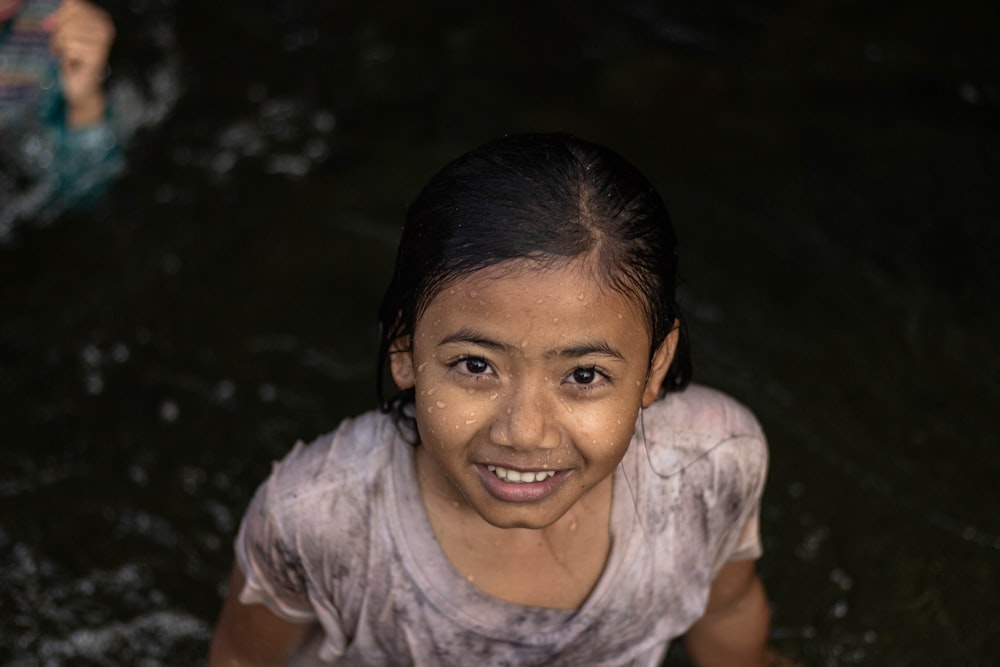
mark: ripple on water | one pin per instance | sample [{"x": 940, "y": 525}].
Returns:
[{"x": 110, "y": 617}]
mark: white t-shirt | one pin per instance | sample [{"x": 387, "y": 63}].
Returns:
[{"x": 338, "y": 536}]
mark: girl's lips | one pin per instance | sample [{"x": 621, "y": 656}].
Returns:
[{"x": 522, "y": 491}]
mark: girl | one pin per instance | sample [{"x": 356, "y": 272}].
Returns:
[{"x": 545, "y": 488}]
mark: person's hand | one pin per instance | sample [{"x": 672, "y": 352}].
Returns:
[{"x": 80, "y": 36}]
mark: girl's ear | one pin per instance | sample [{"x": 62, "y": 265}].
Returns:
[
  {"x": 401, "y": 363},
  {"x": 660, "y": 365}
]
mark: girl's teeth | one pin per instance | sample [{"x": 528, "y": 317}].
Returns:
[{"x": 518, "y": 477}]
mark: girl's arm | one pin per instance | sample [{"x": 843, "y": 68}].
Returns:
[
  {"x": 249, "y": 635},
  {"x": 733, "y": 631}
]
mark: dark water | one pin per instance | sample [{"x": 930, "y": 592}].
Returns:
[{"x": 832, "y": 168}]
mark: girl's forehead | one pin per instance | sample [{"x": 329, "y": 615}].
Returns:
[
  {"x": 520, "y": 284},
  {"x": 519, "y": 275}
]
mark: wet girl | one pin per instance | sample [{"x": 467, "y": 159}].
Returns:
[{"x": 545, "y": 488}]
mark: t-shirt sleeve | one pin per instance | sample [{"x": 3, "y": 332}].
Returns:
[
  {"x": 285, "y": 561},
  {"x": 748, "y": 468},
  {"x": 265, "y": 552}
]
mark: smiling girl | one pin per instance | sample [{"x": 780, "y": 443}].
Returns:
[{"x": 545, "y": 487}]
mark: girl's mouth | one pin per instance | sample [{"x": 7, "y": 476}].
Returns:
[
  {"x": 518, "y": 477},
  {"x": 518, "y": 486}
]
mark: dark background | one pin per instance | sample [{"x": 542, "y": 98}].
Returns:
[{"x": 832, "y": 169}]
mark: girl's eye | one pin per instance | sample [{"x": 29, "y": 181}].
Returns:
[
  {"x": 588, "y": 378},
  {"x": 585, "y": 379},
  {"x": 472, "y": 366},
  {"x": 475, "y": 366}
]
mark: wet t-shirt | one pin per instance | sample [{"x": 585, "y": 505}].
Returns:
[{"x": 338, "y": 537}]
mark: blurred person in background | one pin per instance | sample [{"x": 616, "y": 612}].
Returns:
[{"x": 60, "y": 142}]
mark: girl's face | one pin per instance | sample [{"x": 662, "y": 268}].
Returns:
[{"x": 528, "y": 382}]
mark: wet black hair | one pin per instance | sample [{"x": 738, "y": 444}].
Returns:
[{"x": 547, "y": 198}]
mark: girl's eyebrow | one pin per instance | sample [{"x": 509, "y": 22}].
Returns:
[
  {"x": 598, "y": 347},
  {"x": 465, "y": 335}
]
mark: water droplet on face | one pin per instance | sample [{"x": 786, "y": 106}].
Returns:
[
  {"x": 470, "y": 578},
  {"x": 421, "y": 367},
  {"x": 572, "y": 525},
  {"x": 430, "y": 410},
  {"x": 493, "y": 395},
  {"x": 470, "y": 391},
  {"x": 430, "y": 392},
  {"x": 441, "y": 405}
]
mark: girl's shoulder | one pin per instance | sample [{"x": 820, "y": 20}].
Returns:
[
  {"x": 353, "y": 454},
  {"x": 688, "y": 426},
  {"x": 703, "y": 409}
]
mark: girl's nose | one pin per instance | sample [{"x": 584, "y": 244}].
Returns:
[{"x": 525, "y": 421}]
